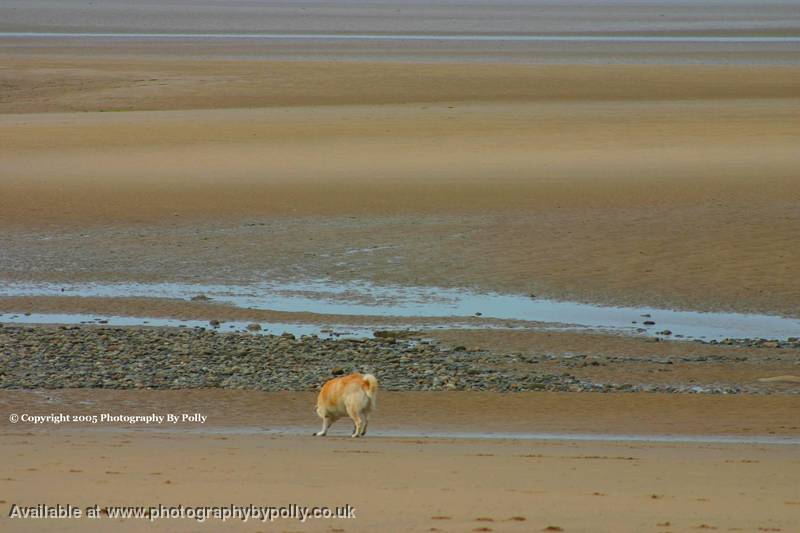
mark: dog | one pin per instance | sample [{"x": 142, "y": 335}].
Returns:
[{"x": 353, "y": 395}]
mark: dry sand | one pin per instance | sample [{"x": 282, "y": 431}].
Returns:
[
  {"x": 414, "y": 484},
  {"x": 408, "y": 484}
]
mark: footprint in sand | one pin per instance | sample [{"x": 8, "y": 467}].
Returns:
[{"x": 553, "y": 528}]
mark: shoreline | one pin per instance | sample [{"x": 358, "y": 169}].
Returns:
[
  {"x": 462, "y": 415},
  {"x": 324, "y": 302},
  {"x": 342, "y": 431},
  {"x": 656, "y": 37}
]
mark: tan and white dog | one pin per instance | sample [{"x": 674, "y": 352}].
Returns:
[{"x": 353, "y": 395}]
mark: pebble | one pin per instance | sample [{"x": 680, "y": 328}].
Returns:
[
  {"x": 790, "y": 343},
  {"x": 52, "y": 357}
]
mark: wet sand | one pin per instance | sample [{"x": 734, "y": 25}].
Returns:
[
  {"x": 642, "y": 173},
  {"x": 456, "y": 17},
  {"x": 521, "y": 171},
  {"x": 420, "y": 413},
  {"x": 417, "y": 483},
  {"x": 501, "y": 197}
]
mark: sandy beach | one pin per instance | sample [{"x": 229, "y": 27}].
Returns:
[
  {"x": 213, "y": 173},
  {"x": 626, "y": 197},
  {"x": 675, "y": 186},
  {"x": 416, "y": 483},
  {"x": 431, "y": 485}
]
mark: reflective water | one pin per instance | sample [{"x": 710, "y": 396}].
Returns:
[
  {"x": 271, "y": 328},
  {"x": 364, "y": 299},
  {"x": 422, "y": 37},
  {"x": 342, "y": 432}
]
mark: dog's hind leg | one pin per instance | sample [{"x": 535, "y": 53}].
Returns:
[
  {"x": 326, "y": 423},
  {"x": 365, "y": 423},
  {"x": 357, "y": 423}
]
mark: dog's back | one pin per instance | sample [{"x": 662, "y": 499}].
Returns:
[
  {"x": 353, "y": 395},
  {"x": 347, "y": 394}
]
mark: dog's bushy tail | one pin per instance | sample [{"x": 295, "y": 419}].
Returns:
[{"x": 371, "y": 387}]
